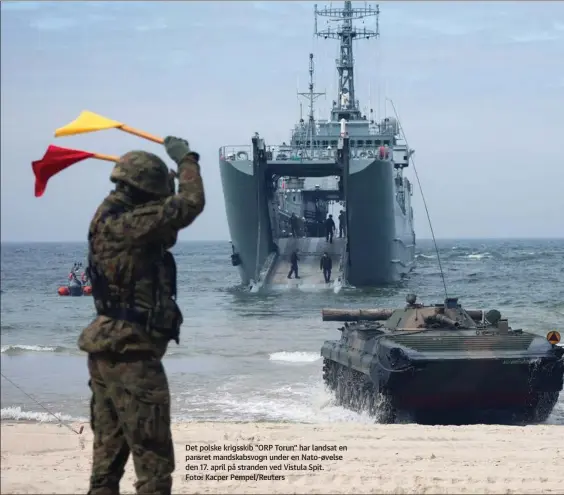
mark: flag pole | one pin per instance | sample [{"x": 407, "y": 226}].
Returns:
[
  {"x": 141, "y": 134},
  {"x": 107, "y": 158}
]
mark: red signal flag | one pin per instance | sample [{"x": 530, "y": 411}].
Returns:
[{"x": 57, "y": 159}]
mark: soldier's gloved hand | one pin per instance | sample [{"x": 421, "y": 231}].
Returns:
[{"x": 176, "y": 148}]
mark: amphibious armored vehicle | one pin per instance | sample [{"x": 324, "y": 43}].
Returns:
[{"x": 441, "y": 364}]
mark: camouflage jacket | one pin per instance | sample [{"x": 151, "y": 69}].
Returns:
[{"x": 130, "y": 267}]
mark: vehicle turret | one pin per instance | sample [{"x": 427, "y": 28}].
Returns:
[{"x": 415, "y": 316}]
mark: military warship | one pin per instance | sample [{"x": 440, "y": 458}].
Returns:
[
  {"x": 442, "y": 364},
  {"x": 277, "y": 198}
]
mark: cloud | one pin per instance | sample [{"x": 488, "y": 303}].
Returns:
[
  {"x": 179, "y": 58},
  {"x": 153, "y": 25},
  {"x": 556, "y": 84},
  {"x": 448, "y": 28},
  {"x": 99, "y": 17},
  {"x": 114, "y": 5},
  {"x": 21, "y": 6},
  {"x": 53, "y": 23},
  {"x": 59, "y": 23},
  {"x": 99, "y": 5},
  {"x": 174, "y": 58},
  {"x": 267, "y": 6},
  {"x": 534, "y": 37},
  {"x": 414, "y": 76},
  {"x": 272, "y": 8}
]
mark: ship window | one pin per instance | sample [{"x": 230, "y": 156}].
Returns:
[
  {"x": 333, "y": 143},
  {"x": 353, "y": 144},
  {"x": 325, "y": 143},
  {"x": 360, "y": 143},
  {"x": 377, "y": 142},
  {"x": 307, "y": 143},
  {"x": 369, "y": 142},
  {"x": 294, "y": 199},
  {"x": 386, "y": 143}
]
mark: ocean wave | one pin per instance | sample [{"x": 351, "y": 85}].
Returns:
[
  {"x": 19, "y": 348},
  {"x": 422, "y": 256},
  {"x": 300, "y": 402},
  {"x": 16, "y": 413},
  {"x": 478, "y": 256},
  {"x": 295, "y": 357}
]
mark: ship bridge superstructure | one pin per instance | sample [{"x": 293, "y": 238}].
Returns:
[{"x": 350, "y": 164}]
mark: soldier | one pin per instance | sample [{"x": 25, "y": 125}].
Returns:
[
  {"x": 294, "y": 264},
  {"x": 326, "y": 265},
  {"x": 329, "y": 229},
  {"x": 294, "y": 225},
  {"x": 342, "y": 223},
  {"x": 133, "y": 279}
]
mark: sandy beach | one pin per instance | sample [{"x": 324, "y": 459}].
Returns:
[{"x": 300, "y": 458}]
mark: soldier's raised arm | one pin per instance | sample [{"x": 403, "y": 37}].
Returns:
[
  {"x": 189, "y": 202},
  {"x": 163, "y": 214}
]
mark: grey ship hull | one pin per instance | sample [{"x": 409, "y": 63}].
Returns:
[
  {"x": 381, "y": 242},
  {"x": 245, "y": 216},
  {"x": 381, "y": 237}
]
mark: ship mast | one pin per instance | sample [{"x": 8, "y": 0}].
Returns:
[
  {"x": 311, "y": 95},
  {"x": 346, "y": 106}
]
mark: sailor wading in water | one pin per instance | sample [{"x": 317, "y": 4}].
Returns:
[
  {"x": 133, "y": 276},
  {"x": 294, "y": 264}
]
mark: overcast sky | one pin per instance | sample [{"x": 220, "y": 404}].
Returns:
[{"x": 479, "y": 87}]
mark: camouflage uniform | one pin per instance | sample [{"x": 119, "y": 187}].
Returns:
[{"x": 134, "y": 285}]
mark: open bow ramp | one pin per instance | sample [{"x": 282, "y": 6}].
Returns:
[{"x": 310, "y": 251}]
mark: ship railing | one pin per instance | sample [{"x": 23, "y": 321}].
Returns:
[
  {"x": 286, "y": 153},
  {"x": 236, "y": 152}
]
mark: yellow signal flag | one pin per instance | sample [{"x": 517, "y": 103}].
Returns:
[{"x": 87, "y": 122}]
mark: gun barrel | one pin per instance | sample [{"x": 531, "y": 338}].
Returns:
[
  {"x": 333, "y": 314},
  {"x": 447, "y": 321}
]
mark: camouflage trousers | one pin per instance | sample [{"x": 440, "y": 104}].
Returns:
[{"x": 130, "y": 412}]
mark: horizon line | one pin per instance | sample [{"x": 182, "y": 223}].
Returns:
[{"x": 227, "y": 240}]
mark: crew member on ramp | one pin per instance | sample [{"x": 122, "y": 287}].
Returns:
[
  {"x": 294, "y": 264},
  {"x": 329, "y": 229},
  {"x": 342, "y": 223},
  {"x": 294, "y": 225},
  {"x": 326, "y": 264}
]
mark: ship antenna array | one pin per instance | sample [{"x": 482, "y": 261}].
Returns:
[
  {"x": 311, "y": 95},
  {"x": 422, "y": 197},
  {"x": 346, "y": 32}
]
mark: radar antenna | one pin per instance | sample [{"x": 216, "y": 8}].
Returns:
[
  {"x": 311, "y": 95},
  {"x": 346, "y": 106}
]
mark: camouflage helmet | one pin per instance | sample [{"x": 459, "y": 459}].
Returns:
[{"x": 144, "y": 171}]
